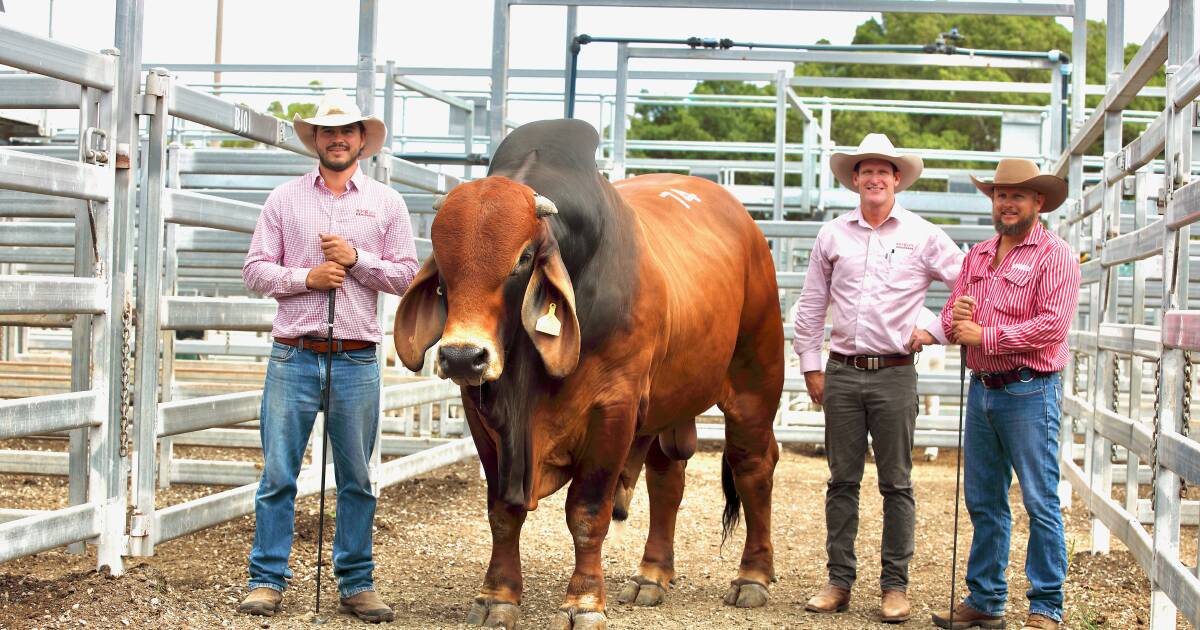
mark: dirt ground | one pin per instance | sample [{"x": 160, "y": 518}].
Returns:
[{"x": 432, "y": 544}]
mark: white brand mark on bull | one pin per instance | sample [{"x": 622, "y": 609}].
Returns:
[{"x": 682, "y": 196}]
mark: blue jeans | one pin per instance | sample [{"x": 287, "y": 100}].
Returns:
[
  {"x": 291, "y": 399},
  {"x": 1014, "y": 428}
]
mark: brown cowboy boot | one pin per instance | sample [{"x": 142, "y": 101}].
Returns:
[
  {"x": 367, "y": 606},
  {"x": 1039, "y": 622},
  {"x": 831, "y": 599},
  {"x": 893, "y": 607},
  {"x": 262, "y": 601},
  {"x": 966, "y": 617}
]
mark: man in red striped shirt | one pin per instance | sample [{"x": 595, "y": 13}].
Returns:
[{"x": 1012, "y": 308}]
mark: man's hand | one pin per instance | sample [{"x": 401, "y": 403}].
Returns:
[
  {"x": 964, "y": 308},
  {"x": 919, "y": 339},
  {"x": 814, "y": 382},
  {"x": 967, "y": 333},
  {"x": 337, "y": 250},
  {"x": 327, "y": 275}
]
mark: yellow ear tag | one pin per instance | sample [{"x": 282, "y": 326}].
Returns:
[{"x": 548, "y": 323}]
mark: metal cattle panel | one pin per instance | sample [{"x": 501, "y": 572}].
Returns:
[
  {"x": 20, "y": 91},
  {"x": 47, "y": 531},
  {"x": 42, "y": 56},
  {"x": 36, "y": 234},
  {"x": 20, "y": 417},
  {"x": 52, "y": 294},
  {"x": 200, "y": 313},
  {"x": 194, "y": 414},
  {"x": 36, "y": 174},
  {"x": 198, "y": 210}
]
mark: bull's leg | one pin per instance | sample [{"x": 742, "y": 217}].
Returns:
[
  {"x": 664, "y": 482},
  {"x": 589, "y": 512},
  {"x": 750, "y": 454},
  {"x": 496, "y": 605}
]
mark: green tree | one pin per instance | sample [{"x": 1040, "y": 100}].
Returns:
[{"x": 906, "y": 130}]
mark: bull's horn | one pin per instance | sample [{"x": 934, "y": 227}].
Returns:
[
  {"x": 438, "y": 201},
  {"x": 543, "y": 206}
]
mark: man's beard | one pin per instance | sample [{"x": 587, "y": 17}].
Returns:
[
  {"x": 1016, "y": 229},
  {"x": 338, "y": 166}
]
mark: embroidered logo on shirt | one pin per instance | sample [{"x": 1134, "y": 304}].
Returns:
[
  {"x": 364, "y": 213},
  {"x": 1021, "y": 267},
  {"x": 906, "y": 246}
]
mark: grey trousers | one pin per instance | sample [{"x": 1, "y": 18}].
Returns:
[{"x": 882, "y": 403}]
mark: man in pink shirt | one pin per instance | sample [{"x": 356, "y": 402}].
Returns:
[
  {"x": 332, "y": 229},
  {"x": 873, "y": 267}
]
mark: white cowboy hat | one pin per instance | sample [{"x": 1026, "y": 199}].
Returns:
[
  {"x": 876, "y": 146},
  {"x": 337, "y": 109},
  {"x": 1025, "y": 174}
]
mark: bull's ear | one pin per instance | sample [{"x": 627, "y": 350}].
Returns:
[
  {"x": 420, "y": 317},
  {"x": 548, "y": 314}
]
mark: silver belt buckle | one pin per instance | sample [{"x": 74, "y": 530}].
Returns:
[{"x": 872, "y": 363}]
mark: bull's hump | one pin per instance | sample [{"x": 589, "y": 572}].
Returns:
[{"x": 560, "y": 144}]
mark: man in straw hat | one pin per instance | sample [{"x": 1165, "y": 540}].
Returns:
[
  {"x": 873, "y": 265},
  {"x": 332, "y": 229},
  {"x": 1012, "y": 308}
]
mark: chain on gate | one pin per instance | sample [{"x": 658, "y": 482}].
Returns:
[
  {"x": 1185, "y": 424},
  {"x": 1154, "y": 441},
  {"x": 1116, "y": 399},
  {"x": 126, "y": 377}
]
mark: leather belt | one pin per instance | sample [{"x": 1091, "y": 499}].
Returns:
[
  {"x": 868, "y": 362},
  {"x": 321, "y": 346},
  {"x": 997, "y": 380}
]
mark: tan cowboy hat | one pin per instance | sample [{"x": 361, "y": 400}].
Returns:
[
  {"x": 1024, "y": 173},
  {"x": 337, "y": 109},
  {"x": 876, "y": 146}
]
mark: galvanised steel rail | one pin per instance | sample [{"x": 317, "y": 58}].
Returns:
[
  {"x": 1122, "y": 325},
  {"x": 96, "y": 296}
]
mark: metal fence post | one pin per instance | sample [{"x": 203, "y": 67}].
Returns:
[
  {"x": 1106, "y": 225},
  {"x": 150, "y": 266},
  {"x": 498, "y": 108},
  {"x": 108, "y": 450},
  {"x": 618, "y": 118},
  {"x": 781, "y": 88}
]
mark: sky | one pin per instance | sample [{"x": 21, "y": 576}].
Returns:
[{"x": 445, "y": 33}]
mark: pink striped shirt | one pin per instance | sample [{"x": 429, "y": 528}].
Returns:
[
  {"x": 369, "y": 215},
  {"x": 1025, "y": 305},
  {"x": 875, "y": 279}
]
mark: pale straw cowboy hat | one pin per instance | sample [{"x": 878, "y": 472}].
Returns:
[
  {"x": 876, "y": 146},
  {"x": 1025, "y": 174},
  {"x": 337, "y": 109}
]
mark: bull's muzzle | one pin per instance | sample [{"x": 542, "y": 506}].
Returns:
[{"x": 463, "y": 362}]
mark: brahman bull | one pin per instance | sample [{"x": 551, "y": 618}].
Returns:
[{"x": 588, "y": 324}]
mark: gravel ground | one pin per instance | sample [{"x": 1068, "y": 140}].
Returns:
[{"x": 432, "y": 545}]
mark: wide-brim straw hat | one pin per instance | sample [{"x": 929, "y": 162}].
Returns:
[
  {"x": 1025, "y": 174},
  {"x": 876, "y": 146},
  {"x": 337, "y": 109}
]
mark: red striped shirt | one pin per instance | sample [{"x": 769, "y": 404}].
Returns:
[{"x": 1025, "y": 305}]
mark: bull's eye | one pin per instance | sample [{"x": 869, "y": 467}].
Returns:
[{"x": 522, "y": 262}]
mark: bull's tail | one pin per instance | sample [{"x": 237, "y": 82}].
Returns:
[{"x": 733, "y": 502}]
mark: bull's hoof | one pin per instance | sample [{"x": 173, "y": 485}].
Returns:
[
  {"x": 491, "y": 613},
  {"x": 746, "y": 594},
  {"x": 641, "y": 591},
  {"x": 571, "y": 619}
]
